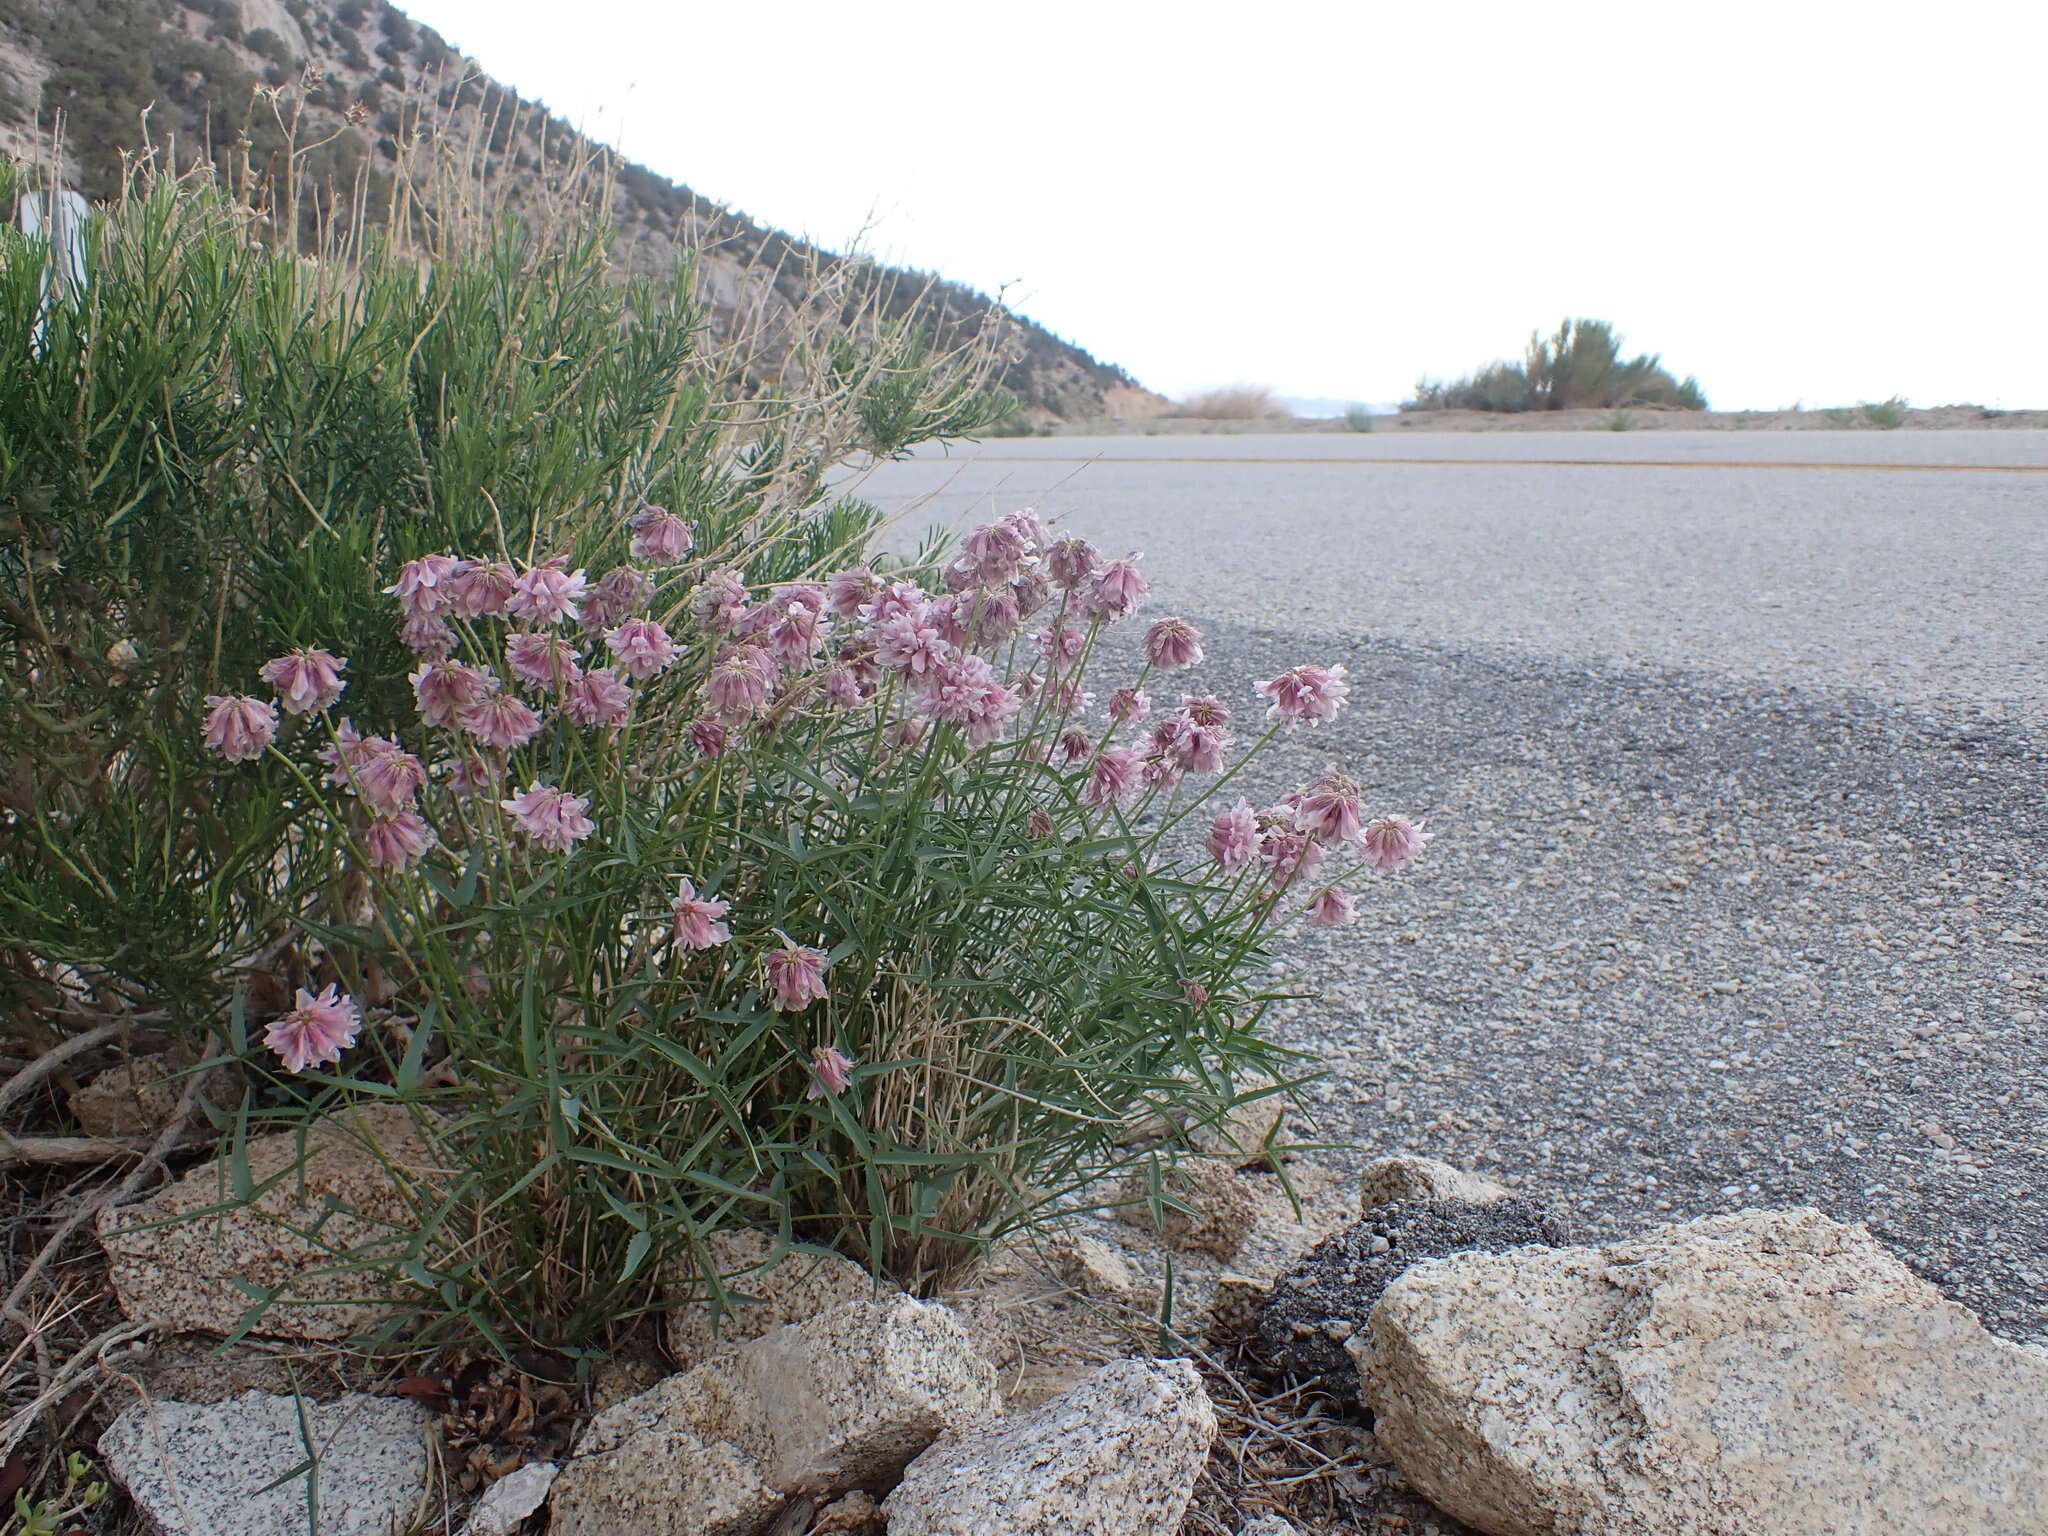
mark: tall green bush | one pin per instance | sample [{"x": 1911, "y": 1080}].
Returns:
[
  {"x": 1580, "y": 366},
  {"x": 207, "y": 453}
]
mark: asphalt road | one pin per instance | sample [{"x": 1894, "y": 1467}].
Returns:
[{"x": 1739, "y": 768}]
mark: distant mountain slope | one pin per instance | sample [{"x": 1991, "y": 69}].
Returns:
[{"x": 195, "y": 65}]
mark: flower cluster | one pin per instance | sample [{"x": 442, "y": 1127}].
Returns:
[
  {"x": 1289, "y": 842},
  {"x": 991, "y": 654}
]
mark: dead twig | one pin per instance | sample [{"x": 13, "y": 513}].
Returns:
[
  {"x": 59, "y": 1151},
  {"x": 84, "y": 1362},
  {"x": 32, "y": 1074}
]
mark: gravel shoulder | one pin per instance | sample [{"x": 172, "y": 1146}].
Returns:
[{"x": 1676, "y": 951}]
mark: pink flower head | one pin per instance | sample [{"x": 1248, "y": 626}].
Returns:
[
  {"x": 695, "y": 921},
  {"x": 421, "y": 588},
  {"x": 892, "y": 602},
  {"x": 1391, "y": 841},
  {"x": 319, "y": 1029},
  {"x": 427, "y": 635},
  {"x": 599, "y": 697},
  {"x": 1075, "y": 746},
  {"x": 482, "y": 590},
  {"x": 642, "y": 646},
  {"x": 1195, "y": 748},
  {"x": 443, "y": 689},
  {"x": 1116, "y": 590},
  {"x": 949, "y": 615},
  {"x": 1072, "y": 563},
  {"x": 341, "y": 756},
  {"x": 993, "y": 617},
  {"x": 1310, "y": 693},
  {"x": 1031, "y": 592},
  {"x": 553, "y": 818},
  {"x": 1327, "y": 810},
  {"x": 831, "y": 1071},
  {"x": 906, "y": 644},
  {"x": 239, "y": 726},
  {"x": 659, "y": 536},
  {"x": 384, "y": 774},
  {"x": 1173, "y": 643},
  {"x": 1061, "y": 643},
  {"x": 717, "y": 601},
  {"x": 996, "y": 551},
  {"x": 1289, "y": 854},
  {"x": 396, "y": 841},
  {"x": 547, "y": 594},
  {"x": 1112, "y": 777},
  {"x": 500, "y": 721},
  {"x": 541, "y": 661},
  {"x": 964, "y": 692},
  {"x": 622, "y": 593},
  {"x": 1028, "y": 526},
  {"x": 1128, "y": 704},
  {"x": 1038, "y": 825},
  {"x": 707, "y": 735},
  {"x": 739, "y": 680},
  {"x": 1233, "y": 840},
  {"x": 847, "y": 591},
  {"x": 1330, "y": 908},
  {"x": 795, "y": 637},
  {"x": 794, "y": 976},
  {"x": 843, "y": 688},
  {"x": 306, "y": 679},
  {"x": 1204, "y": 709}
]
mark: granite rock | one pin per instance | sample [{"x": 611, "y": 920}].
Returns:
[
  {"x": 1117, "y": 1454},
  {"x": 1769, "y": 1373},
  {"x": 840, "y": 1401},
  {"x": 508, "y": 1502},
  {"x": 1386, "y": 1180},
  {"x": 765, "y": 1291},
  {"x": 1211, "y": 1209}
]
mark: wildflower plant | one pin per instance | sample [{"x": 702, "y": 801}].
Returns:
[
  {"x": 437, "y": 682},
  {"x": 851, "y": 916}
]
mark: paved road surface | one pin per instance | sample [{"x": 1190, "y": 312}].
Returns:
[{"x": 1740, "y": 775}]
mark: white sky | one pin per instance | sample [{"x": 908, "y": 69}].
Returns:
[{"x": 1797, "y": 200}]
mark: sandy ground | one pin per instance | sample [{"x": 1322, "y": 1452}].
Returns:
[{"x": 1740, "y": 780}]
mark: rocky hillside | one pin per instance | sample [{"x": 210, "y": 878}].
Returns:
[{"x": 366, "y": 71}]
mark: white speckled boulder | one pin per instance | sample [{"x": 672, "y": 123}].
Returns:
[
  {"x": 1116, "y": 1454},
  {"x": 840, "y": 1401},
  {"x": 205, "y": 1469},
  {"x": 1770, "y": 1373}
]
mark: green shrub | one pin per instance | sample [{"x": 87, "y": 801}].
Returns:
[
  {"x": 1357, "y": 419},
  {"x": 200, "y": 457},
  {"x": 1886, "y": 414},
  {"x": 1580, "y": 366}
]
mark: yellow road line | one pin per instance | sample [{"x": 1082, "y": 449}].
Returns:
[{"x": 1193, "y": 458}]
